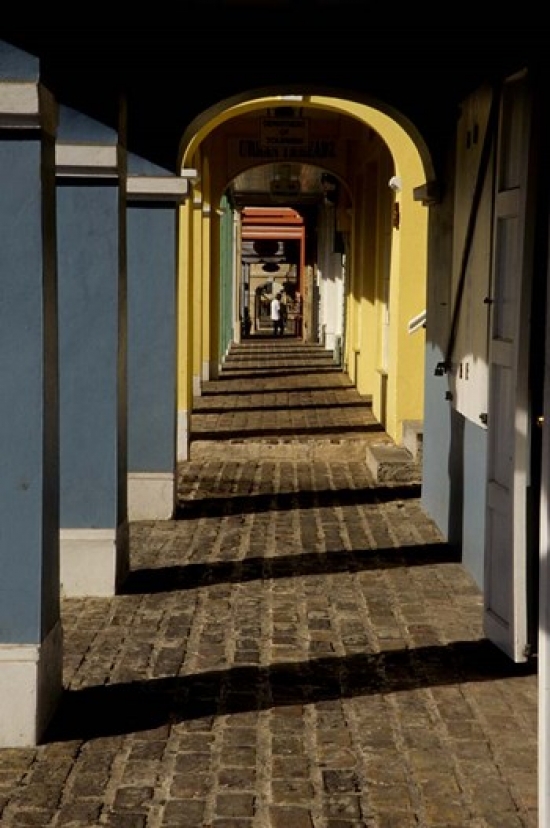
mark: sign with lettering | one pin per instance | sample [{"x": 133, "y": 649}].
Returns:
[
  {"x": 284, "y": 132},
  {"x": 248, "y": 148}
]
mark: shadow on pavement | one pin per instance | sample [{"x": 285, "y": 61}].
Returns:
[
  {"x": 191, "y": 576},
  {"x": 110, "y": 710},
  {"x": 286, "y": 501}
]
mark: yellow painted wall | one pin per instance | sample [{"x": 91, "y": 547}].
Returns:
[
  {"x": 353, "y": 267},
  {"x": 184, "y": 320},
  {"x": 196, "y": 318},
  {"x": 407, "y": 300},
  {"x": 366, "y": 379},
  {"x": 405, "y": 376},
  {"x": 215, "y": 148},
  {"x": 206, "y": 297}
]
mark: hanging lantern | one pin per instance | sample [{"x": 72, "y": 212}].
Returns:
[{"x": 266, "y": 248}]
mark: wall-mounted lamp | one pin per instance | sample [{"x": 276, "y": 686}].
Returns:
[{"x": 395, "y": 183}]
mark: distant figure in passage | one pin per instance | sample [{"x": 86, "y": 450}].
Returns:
[
  {"x": 276, "y": 315},
  {"x": 247, "y": 323}
]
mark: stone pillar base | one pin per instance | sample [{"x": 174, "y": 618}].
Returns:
[
  {"x": 94, "y": 562},
  {"x": 31, "y": 683},
  {"x": 151, "y": 496}
]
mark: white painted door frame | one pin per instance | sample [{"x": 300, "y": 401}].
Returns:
[
  {"x": 508, "y": 450},
  {"x": 544, "y": 591}
]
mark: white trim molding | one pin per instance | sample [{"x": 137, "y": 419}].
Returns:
[
  {"x": 31, "y": 683},
  {"x": 27, "y": 106},
  {"x": 86, "y": 160},
  {"x": 160, "y": 187}
]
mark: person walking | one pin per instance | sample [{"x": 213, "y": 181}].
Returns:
[
  {"x": 246, "y": 326},
  {"x": 276, "y": 315}
]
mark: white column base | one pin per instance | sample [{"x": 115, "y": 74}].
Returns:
[
  {"x": 183, "y": 437},
  {"x": 205, "y": 371},
  {"x": 31, "y": 683},
  {"x": 197, "y": 386},
  {"x": 93, "y": 562},
  {"x": 151, "y": 496}
]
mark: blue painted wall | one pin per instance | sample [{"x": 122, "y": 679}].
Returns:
[
  {"x": 475, "y": 475},
  {"x": 151, "y": 337},
  {"x": 89, "y": 348},
  {"x": 453, "y": 492},
  {"x": 29, "y": 438},
  {"x": 454, "y": 449},
  {"x": 436, "y": 475},
  {"x": 15, "y": 64}
]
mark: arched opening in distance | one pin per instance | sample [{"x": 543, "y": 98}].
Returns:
[{"x": 366, "y": 282}]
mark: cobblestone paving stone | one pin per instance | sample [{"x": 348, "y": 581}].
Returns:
[{"x": 298, "y": 648}]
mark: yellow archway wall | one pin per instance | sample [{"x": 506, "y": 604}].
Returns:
[
  {"x": 197, "y": 240},
  {"x": 213, "y": 147},
  {"x": 205, "y": 240},
  {"x": 381, "y": 357},
  {"x": 187, "y": 253},
  {"x": 208, "y": 304}
]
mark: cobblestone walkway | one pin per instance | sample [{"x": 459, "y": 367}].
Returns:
[{"x": 297, "y": 649}]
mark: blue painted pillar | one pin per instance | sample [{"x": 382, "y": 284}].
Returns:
[
  {"x": 90, "y": 165},
  {"x": 152, "y": 227},
  {"x": 30, "y": 628}
]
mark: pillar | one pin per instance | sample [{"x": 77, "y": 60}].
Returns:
[
  {"x": 30, "y": 626},
  {"x": 152, "y": 216},
  {"x": 93, "y": 384}
]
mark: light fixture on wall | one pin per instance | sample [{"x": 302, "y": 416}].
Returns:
[{"x": 395, "y": 183}]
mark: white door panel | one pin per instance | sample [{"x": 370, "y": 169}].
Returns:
[{"x": 505, "y": 611}]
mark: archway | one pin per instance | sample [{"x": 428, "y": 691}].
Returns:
[{"x": 385, "y": 231}]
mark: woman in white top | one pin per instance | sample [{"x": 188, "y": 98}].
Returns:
[{"x": 276, "y": 317}]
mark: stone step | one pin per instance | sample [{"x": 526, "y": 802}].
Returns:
[
  {"x": 330, "y": 450},
  {"x": 389, "y": 463}
]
